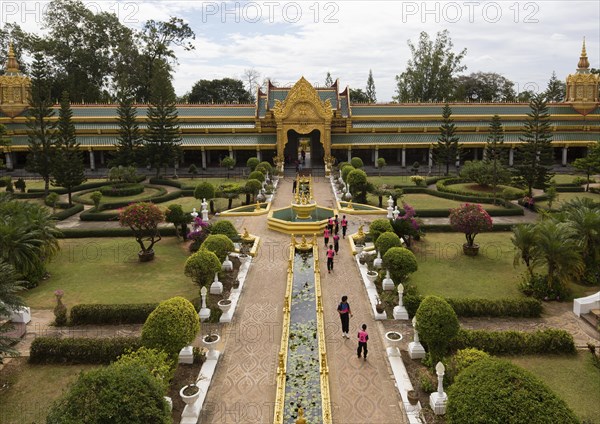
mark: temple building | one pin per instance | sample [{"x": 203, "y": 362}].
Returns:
[{"x": 321, "y": 120}]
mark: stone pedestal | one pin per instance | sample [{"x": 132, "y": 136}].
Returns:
[
  {"x": 416, "y": 350},
  {"x": 186, "y": 355},
  {"x": 216, "y": 287},
  {"x": 400, "y": 312},
  {"x": 204, "y": 312},
  {"x": 21, "y": 315},
  {"x": 387, "y": 283}
]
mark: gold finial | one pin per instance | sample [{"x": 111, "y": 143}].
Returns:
[
  {"x": 12, "y": 66},
  {"x": 361, "y": 232},
  {"x": 584, "y": 63},
  {"x": 246, "y": 234},
  {"x": 257, "y": 207},
  {"x": 301, "y": 419}
]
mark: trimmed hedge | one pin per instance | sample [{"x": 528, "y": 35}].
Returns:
[
  {"x": 549, "y": 341},
  {"x": 19, "y": 195},
  {"x": 122, "y": 190},
  {"x": 84, "y": 186},
  {"x": 481, "y": 307},
  {"x": 111, "y": 314},
  {"x": 108, "y": 232},
  {"x": 66, "y": 213},
  {"x": 446, "y": 228},
  {"x": 169, "y": 196},
  {"x": 54, "y": 350},
  {"x": 445, "y": 184},
  {"x": 94, "y": 215},
  {"x": 569, "y": 189},
  {"x": 118, "y": 204},
  {"x": 164, "y": 181}
]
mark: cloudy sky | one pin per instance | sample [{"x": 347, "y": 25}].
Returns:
[{"x": 523, "y": 40}]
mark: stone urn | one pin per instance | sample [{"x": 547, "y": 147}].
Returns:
[
  {"x": 224, "y": 305},
  {"x": 146, "y": 256},
  {"x": 189, "y": 394},
  {"x": 372, "y": 276},
  {"x": 359, "y": 248},
  {"x": 393, "y": 339},
  {"x": 471, "y": 250},
  {"x": 210, "y": 341},
  {"x": 413, "y": 397}
]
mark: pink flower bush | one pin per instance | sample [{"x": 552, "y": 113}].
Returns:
[
  {"x": 470, "y": 219},
  {"x": 143, "y": 219}
]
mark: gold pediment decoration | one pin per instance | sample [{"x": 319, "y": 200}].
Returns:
[{"x": 303, "y": 104}]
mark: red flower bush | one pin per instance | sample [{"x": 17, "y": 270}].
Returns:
[
  {"x": 470, "y": 219},
  {"x": 143, "y": 219}
]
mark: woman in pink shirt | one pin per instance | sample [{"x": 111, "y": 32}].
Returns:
[
  {"x": 326, "y": 234},
  {"x": 330, "y": 254}
]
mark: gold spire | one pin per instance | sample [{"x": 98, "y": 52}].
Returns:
[
  {"x": 12, "y": 66},
  {"x": 583, "y": 60}
]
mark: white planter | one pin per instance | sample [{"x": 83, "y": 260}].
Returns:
[
  {"x": 359, "y": 249},
  {"x": 244, "y": 258},
  {"x": 393, "y": 339},
  {"x": 372, "y": 276},
  {"x": 211, "y": 344},
  {"x": 224, "y": 305},
  {"x": 189, "y": 399}
]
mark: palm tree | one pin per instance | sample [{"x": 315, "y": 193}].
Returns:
[
  {"x": 556, "y": 247},
  {"x": 523, "y": 240},
  {"x": 10, "y": 284}
]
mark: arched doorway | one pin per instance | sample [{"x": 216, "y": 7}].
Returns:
[{"x": 309, "y": 143}]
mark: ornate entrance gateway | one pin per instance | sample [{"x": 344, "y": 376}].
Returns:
[{"x": 303, "y": 112}]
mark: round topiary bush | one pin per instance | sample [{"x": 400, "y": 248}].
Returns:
[
  {"x": 257, "y": 175},
  {"x": 98, "y": 396},
  {"x": 462, "y": 359},
  {"x": 386, "y": 241},
  {"x": 171, "y": 326},
  {"x": 437, "y": 324},
  {"x": 379, "y": 226},
  {"x": 356, "y": 162},
  {"x": 401, "y": 262},
  {"x": 219, "y": 244},
  {"x": 264, "y": 167},
  {"x": 512, "y": 395},
  {"x": 204, "y": 190},
  {"x": 122, "y": 189},
  {"x": 202, "y": 266},
  {"x": 346, "y": 170},
  {"x": 226, "y": 228},
  {"x": 358, "y": 183},
  {"x": 252, "y": 163}
]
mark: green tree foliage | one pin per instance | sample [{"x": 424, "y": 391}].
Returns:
[
  {"x": 230, "y": 192},
  {"x": 193, "y": 169},
  {"x": 470, "y": 219},
  {"x": 98, "y": 397},
  {"x": 485, "y": 173},
  {"x": 252, "y": 188},
  {"x": 556, "y": 89},
  {"x": 226, "y": 90},
  {"x": 379, "y": 226},
  {"x": 494, "y": 154},
  {"x": 358, "y": 95},
  {"x": 381, "y": 163},
  {"x": 386, "y": 241},
  {"x": 206, "y": 190},
  {"x": 265, "y": 168},
  {"x": 589, "y": 164},
  {"x": 171, "y": 326},
  {"x": 534, "y": 158},
  {"x": 359, "y": 185},
  {"x": 52, "y": 199},
  {"x": 130, "y": 140},
  {"x": 162, "y": 136},
  {"x": 523, "y": 239},
  {"x": 519, "y": 396},
  {"x": 429, "y": 74},
  {"x": 176, "y": 216},
  {"x": 437, "y": 324},
  {"x": 226, "y": 228},
  {"x": 462, "y": 359},
  {"x": 143, "y": 219},
  {"x": 484, "y": 87},
  {"x": 401, "y": 262},
  {"x": 40, "y": 125},
  {"x": 157, "y": 362},
  {"x": 228, "y": 163},
  {"x": 201, "y": 266},
  {"x": 256, "y": 175},
  {"x": 356, "y": 162},
  {"x": 10, "y": 285},
  {"x": 219, "y": 244},
  {"x": 67, "y": 162},
  {"x": 345, "y": 171},
  {"x": 370, "y": 90},
  {"x": 251, "y": 163},
  {"x": 447, "y": 149},
  {"x": 96, "y": 197}
]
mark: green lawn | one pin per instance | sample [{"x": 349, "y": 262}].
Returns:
[
  {"x": 566, "y": 178},
  {"x": 28, "y": 391},
  {"x": 427, "y": 201},
  {"x": 192, "y": 183},
  {"x": 148, "y": 193},
  {"x": 572, "y": 378},
  {"x": 106, "y": 270},
  {"x": 476, "y": 189},
  {"x": 565, "y": 197},
  {"x": 391, "y": 180},
  {"x": 445, "y": 271}
]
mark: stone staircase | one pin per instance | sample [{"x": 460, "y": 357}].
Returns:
[{"x": 592, "y": 317}]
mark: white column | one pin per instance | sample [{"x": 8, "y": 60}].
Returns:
[
  {"x": 102, "y": 157},
  {"x": 457, "y": 160},
  {"x": 511, "y": 156},
  {"x": 258, "y": 154},
  {"x": 564, "y": 155},
  {"x": 430, "y": 161},
  {"x": 231, "y": 152},
  {"x": 349, "y": 154},
  {"x": 203, "y": 157},
  {"x": 92, "y": 161},
  {"x": 404, "y": 157},
  {"x": 9, "y": 162},
  {"x": 484, "y": 153},
  {"x": 376, "y": 156}
]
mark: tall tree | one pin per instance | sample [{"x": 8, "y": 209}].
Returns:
[
  {"x": 67, "y": 166},
  {"x": 328, "y": 80},
  {"x": 10, "y": 284},
  {"x": 534, "y": 154},
  {"x": 429, "y": 74},
  {"x": 371, "y": 88},
  {"x": 226, "y": 90},
  {"x": 162, "y": 136},
  {"x": 556, "y": 89},
  {"x": 590, "y": 163},
  {"x": 251, "y": 80},
  {"x": 130, "y": 139},
  {"x": 484, "y": 87},
  {"x": 494, "y": 150},
  {"x": 358, "y": 96},
  {"x": 40, "y": 123},
  {"x": 447, "y": 149}
]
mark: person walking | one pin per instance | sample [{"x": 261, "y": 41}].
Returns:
[
  {"x": 294, "y": 185},
  {"x": 363, "y": 337},
  {"x": 344, "y": 226},
  {"x": 345, "y": 314},
  {"x": 336, "y": 243},
  {"x": 330, "y": 254},
  {"x": 336, "y": 221},
  {"x": 326, "y": 235},
  {"x": 330, "y": 224}
]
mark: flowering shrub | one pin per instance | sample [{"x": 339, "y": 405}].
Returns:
[
  {"x": 470, "y": 219},
  {"x": 406, "y": 225},
  {"x": 418, "y": 180},
  {"x": 143, "y": 219}
]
